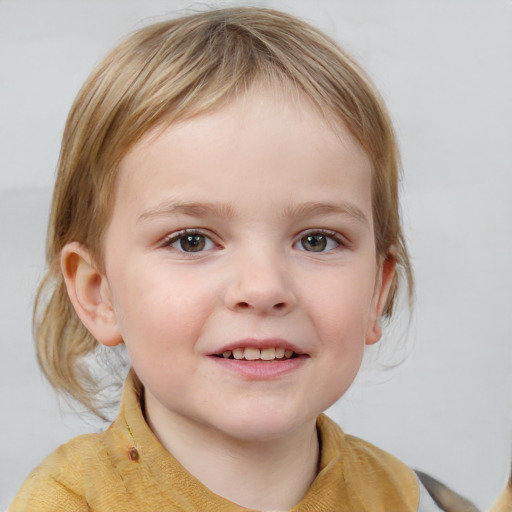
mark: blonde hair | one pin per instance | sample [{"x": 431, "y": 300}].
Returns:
[{"x": 174, "y": 70}]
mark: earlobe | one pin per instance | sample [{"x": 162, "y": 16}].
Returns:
[
  {"x": 384, "y": 282},
  {"x": 89, "y": 292}
]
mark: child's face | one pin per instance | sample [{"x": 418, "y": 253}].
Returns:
[{"x": 278, "y": 253}]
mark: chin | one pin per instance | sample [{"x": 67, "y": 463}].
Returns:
[{"x": 265, "y": 426}]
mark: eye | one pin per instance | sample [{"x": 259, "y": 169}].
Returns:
[
  {"x": 318, "y": 241},
  {"x": 192, "y": 241}
]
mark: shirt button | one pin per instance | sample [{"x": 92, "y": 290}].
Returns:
[{"x": 133, "y": 454}]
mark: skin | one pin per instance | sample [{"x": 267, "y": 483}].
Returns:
[{"x": 253, "y": 179}]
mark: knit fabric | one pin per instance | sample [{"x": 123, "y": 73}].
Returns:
[{"x": 126, "y": 469}]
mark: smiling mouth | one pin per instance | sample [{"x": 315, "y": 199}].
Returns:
[{"x": 255, "y": 354}]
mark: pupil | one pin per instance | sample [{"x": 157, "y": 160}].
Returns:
[
  {"x": 315, "y": 243},
  {"x": 192, "y": 243}
]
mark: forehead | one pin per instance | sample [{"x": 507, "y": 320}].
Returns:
[{"x": 263, "y": 137}]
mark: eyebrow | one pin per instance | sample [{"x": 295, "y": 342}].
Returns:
[
  {"x": 317, "y": 208},
  {"x": 192, "y": 209},
  {"x": 222, "y": 210}
]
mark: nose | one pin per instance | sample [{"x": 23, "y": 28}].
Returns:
[{"x": 261, "y": 285}]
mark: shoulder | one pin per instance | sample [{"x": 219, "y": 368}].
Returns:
[
  {"x": 98, "y": 472},
  {"x": 363, "y": 455},
  {"x": 390, "y": 472},
  {"x": 372, "y": 478},
  {"x": 383, "y": 468},
  {"x": 77, "y": 476},
  {"x": 91, "y": 472},
  {"x": 390, "y": 468},
  {"x": 57, "y": 484},
  {"x": 380, "y": 460}
]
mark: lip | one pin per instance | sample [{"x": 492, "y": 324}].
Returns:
[{"x": 261, "y": 370}]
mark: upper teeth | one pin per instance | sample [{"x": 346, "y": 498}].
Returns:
[{"x": 252, "y": 354}]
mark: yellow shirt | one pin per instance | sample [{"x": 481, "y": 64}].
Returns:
[{"x": 126, "y": 469}]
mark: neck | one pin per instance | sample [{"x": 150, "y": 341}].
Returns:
[{"x": 265, "y": 474}]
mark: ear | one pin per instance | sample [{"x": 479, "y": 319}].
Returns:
[
  {"x": 383, "y": 282},
  {"x": 90, "y": 294}
]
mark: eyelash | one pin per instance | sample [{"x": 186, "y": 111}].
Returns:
[
  {"x": 329, "y": 235},
  {"x": 181, "y": 235}
]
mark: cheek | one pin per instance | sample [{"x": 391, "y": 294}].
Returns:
[
  {"x": 157, "y": 307},
  {"x": 341, "y": 303}
]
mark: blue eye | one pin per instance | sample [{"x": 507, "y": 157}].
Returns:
[
  {"x": 190, "y": 242},
  {"x": 318, "y": 242}
]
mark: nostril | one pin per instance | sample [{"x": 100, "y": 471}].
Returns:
[
  {"x": 243, "y": 305},
  {"x": 280, "y": 305}
]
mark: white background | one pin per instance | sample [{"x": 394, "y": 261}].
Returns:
[{"x": 444, "y": 67}]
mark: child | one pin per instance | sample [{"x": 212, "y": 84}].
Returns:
[{"x": 226, "y": 207}]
